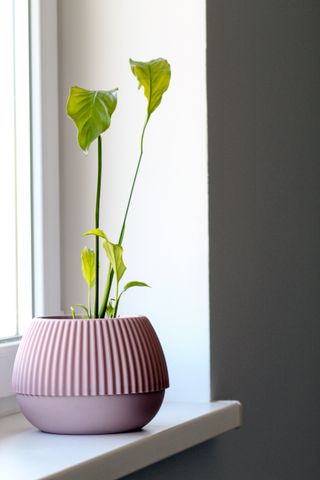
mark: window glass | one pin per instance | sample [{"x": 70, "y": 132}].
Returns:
[{"x": 15, "y": 203}]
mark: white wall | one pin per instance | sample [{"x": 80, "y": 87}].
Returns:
[{"x": 166, "y": 243}]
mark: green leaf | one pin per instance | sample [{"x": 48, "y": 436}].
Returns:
[
  {"x": 154, "y": 76},
  {"x": 125, "y": 288},
  {"x": 88, "y": 259},
  {"x": 110, "y": 310},
  {"x": 84, "y": 308},
  {"x": 97, "y": 232},
  {"x": 73, "y": 312},
  {"x": 114, "y": 253},
  {"x": 91, "y": 112},
  {"x": 135, "y": 284}
]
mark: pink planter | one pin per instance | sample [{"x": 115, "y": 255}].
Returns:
[{"x": 78, "y": 376}]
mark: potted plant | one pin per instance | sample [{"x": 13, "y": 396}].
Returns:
[{"x": 97, "y": 372}]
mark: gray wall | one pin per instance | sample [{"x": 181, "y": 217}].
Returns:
[{"x": 264, "y": 155}]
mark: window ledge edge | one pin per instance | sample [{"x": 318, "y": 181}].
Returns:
[{"x": 177, "y": 427}]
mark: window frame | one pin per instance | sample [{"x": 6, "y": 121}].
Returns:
[{"x": 44, "y": 136}]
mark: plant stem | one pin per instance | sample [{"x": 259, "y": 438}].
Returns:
[
  {"x": 89, "y": 302},
  {"x": 116, "y": 301},
  {"x": 116, "y": 308},
  {"x": 97, "y": 217},
  {"x": 134, "y": 181},
  {"x": 106, "y": 293}
]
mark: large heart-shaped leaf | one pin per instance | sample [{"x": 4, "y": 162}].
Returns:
[
  {"x": 154, "y": 76},
  {"x": 91, "y": 111}
]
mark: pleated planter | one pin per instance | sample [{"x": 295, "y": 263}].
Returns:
[{"x": 79, "y": 376}]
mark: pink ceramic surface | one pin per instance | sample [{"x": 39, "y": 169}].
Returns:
[
  {"x": 72, "y": 359},
  {"x": 91, "y": 414}
]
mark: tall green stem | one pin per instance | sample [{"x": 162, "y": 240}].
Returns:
[
  {"x": 109, "y": 281},
  {"x": 97, "y": 221},
  {"x": 89, "y": 302},
  {"x": 106, "y": 293},
  {"x": 134, "y": 181}
]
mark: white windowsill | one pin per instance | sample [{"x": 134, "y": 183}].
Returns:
[
  {"x": 8, "y": 352},
  {"x": 26, "y": 453}
]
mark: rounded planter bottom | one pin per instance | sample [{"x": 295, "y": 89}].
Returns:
[{"x": 91, "y": 414}]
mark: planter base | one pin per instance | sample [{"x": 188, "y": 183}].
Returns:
[{"x": 90, "y": 414}]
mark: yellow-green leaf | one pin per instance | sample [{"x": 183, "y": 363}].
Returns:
[
  {"x": 97, "y": 232},
  {"x": 110, "y": 310},
  {"x": 88, "y": 259},
  {"x": 84, "y": 308},
  {"x": 135, "y": 284},
  {"x": 91, "y": 112},
  {"x": 154, "y": 77},
  {"x": 114, "y": 253}
]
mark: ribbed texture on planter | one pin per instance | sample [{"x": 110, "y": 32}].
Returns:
[{"x": 79, "y": 357}]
